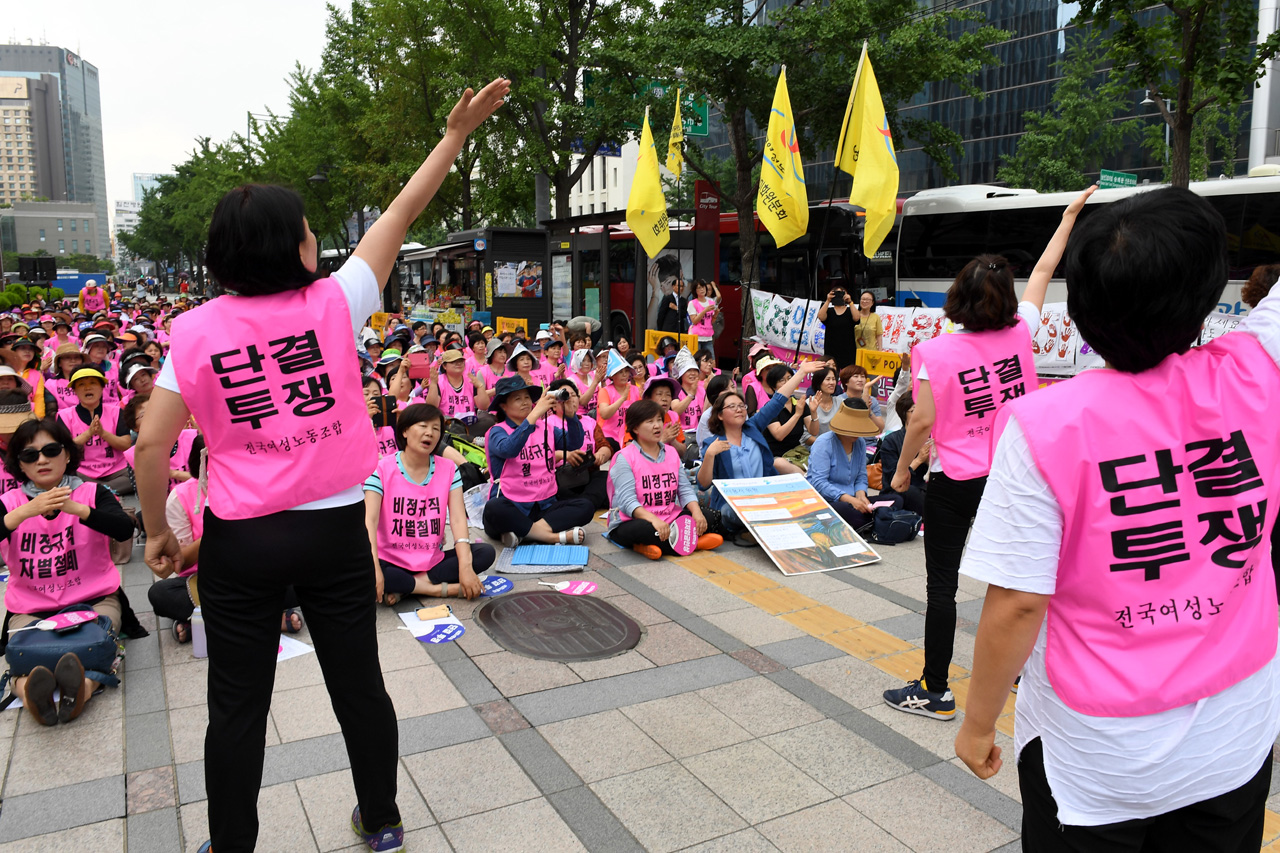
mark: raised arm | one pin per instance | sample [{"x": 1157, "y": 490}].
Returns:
[
  {"x": 383, "y": 240},
  {"x": 1038, "y": 284}
]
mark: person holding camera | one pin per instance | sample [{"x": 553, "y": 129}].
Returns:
[{"x": 840, "y": 322}]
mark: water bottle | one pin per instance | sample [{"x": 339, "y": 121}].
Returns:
[{"x": 198, "y": 647}]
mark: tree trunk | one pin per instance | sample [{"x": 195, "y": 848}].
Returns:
[
  {"x": 742, "y": 146},
  {"x": 468, "y": 215},
  {"x": 560, "y": 180},
  {"x": 1180, "y": 156}
]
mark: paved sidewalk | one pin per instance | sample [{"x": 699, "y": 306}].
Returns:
[{"x": 748, "y": 719}]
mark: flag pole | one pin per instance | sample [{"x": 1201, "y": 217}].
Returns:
[{"x": 826, "y": 219}]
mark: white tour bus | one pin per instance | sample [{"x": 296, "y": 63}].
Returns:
[{"x": 942, "y": 230}]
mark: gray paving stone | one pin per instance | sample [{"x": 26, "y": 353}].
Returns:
[
  {"x": 596, "y": 827},
  {"x": 191, "y": 783},
  {"x": 903, "y": 627},
  {"x": 832, "y": 826},
  {"x": 743, "y": 841},
  {"x": 977, "y": 793},
  {"x": 528, "y": 827},
  {"x": 755, "y": 781},
  {"x": 443, "y": 652},
  {"x": 803, "y": 688},
  {"x": 970, "y": 610},
  {"x": 62, "y": 808},
  {"x": 470, "y": 681},
  {"x": 142, "y": 653},
  {"x": 143, "y": 691},
  {"x": 578, "y": 700},
  {"x": 540, "y": 761},
  {"x": 800, "y": 651},
  {"x": 713, "y": 634},
  {"x": 899, "y": 746},
  {"x": 898, "y": 598},
  {"x": 433, "y": 731},
  {"x": 154, "y": 832},
  {"x": 667, "y": 808},
  {"x": 647, "y": 594},
  {"x": 835, "y": 757},
  {"x": 1011, "y": 847},
  {"x": 146, "y": 741}
]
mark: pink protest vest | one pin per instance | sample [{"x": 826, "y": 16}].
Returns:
[
  {"x": 54, "y": 563},
  {"x": 456, "y": 403},
  {"x": 94, "y": 300},
  {"x": 588, "y": 426},
  {"x": 529, "y": 475},
  {"x": 693, "y": 414},
  {"x": 657, "y": 483},
  {"x": 271, "y": 381},
  {"x": 750, "y": 381},
  {"x": 615, "y": 426},
  {"x": 192, "y": 503},
  {"x": 100, "y": 459},
  {"x": 61, "y": 390},
  {"x": 972, "y": 375},
  {"x": 705, "y": 329},
  {"x": 386, "y": 441},
  {"x": 490, "y": 378},
  {"x": 411, "y": 523},
  {"x": 1168, "y": 482}
]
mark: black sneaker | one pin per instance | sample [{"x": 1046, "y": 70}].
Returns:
[{"x": 914, "y": 699}]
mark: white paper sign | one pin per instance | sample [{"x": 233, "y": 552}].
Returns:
[{"x": 784, "y": 537}]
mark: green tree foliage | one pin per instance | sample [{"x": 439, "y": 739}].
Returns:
[
  {"x": 1196, "y": 53},
  {"x": 1078, "y": 131}
]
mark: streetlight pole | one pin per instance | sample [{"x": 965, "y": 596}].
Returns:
[{"x": 1168, "y": 105}]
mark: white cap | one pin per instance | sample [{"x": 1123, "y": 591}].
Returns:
[
  {"x": 542, "y": 335},
  {"x": 92, "y": 281},
  {"x": 135, "y": 370}
]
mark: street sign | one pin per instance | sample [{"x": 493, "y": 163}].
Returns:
[
  {"x": 1110, "y": 180},
  {"x": 693, "y": 109}
]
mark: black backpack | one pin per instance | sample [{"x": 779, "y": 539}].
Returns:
[{"x": 894, "y": 526}]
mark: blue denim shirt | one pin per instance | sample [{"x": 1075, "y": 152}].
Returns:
[{"x": 833, "y": 473}]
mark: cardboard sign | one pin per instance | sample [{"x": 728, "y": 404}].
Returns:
[{"x": 879, "y": 362}]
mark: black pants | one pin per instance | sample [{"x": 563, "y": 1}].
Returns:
[
  {"x": 595, "y": 490},
  {"x": 1228, "y": 823},
  {"x": 245, "y": 569},
  {"x": 169, "y": 598},
  {"x": 949, "y": 508},
  {"x": 857, "y": 518},
  {"x": 912, "y": 498},
  {"x": 638, "y": 531},
  {"x": 502, "y": 515},
  {"x": 402, "y": 581}
]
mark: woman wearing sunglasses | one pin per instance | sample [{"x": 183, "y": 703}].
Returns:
[{"x": 55, "y": 539}]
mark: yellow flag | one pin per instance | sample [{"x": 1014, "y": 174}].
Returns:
[
  {"x": 866, "y": 152},
  {"x": 647, "y": 206},
  {"x": 675, "y": 145},
  {"x": 783, "y": 200}
]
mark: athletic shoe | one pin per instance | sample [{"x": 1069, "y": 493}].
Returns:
[
  {"x": 1016, "y": 682},
  {"x": 914, "y": 699},
  {"x": 389, "y": 839}
]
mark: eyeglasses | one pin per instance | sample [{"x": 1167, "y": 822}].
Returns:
[
  {"x": 735, "y": 407},
  {"x": 49, "y": 451}
]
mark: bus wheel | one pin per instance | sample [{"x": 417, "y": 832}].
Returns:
[{"x": 619, "y": 326}]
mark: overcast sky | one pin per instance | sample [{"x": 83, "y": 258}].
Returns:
[{"x": 170, "y": 72}]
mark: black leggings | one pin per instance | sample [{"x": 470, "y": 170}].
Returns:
[
  {"x": 169, "y": 598},
  {"x": 402, "y": 581},
  {"x": 949, "y": 508},
  {"x": 1228, "y": 823},
  {"x": 596, "y": 490},
  {"x": 638, "y": 531},
  {"x": 502, "y": 515},
  {"x": 246, "y": 567}
]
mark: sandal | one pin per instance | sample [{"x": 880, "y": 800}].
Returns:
[
  {"x": 179, "y": 637},
  {"x": 579, "y": 536},
  {"x": 289, "y": 616}
]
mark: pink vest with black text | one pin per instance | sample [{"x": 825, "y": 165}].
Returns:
[
  {"x": 530, "y": 475},
  {"x": 192, "y": 502},
  {"x": 1168, "y": 482},
  {"x": 705, "y": 329},
  {"x": 657, "y": 483},
  {"x": 56, "y": 562},
  {"x": 100, "y": 459},
  {"x": 411, "y": 523},
  {"x": 272, "y": 383},
  {"x": 61, "y": 390},
  {"x": 972, "y": 375},
  {"x": 588, "y": 427},
  {"x": 615, "y": 426},
  {"x": 94, "y": 300},
  {"x": 693, "y": 413},
  {"x": 456, "y": 403},
  {"x": 386, "y": 441}
]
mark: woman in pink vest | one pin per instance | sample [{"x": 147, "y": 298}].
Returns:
[
  {"x": 524, "y": 451},
  {"x": 454, "y": 393},
  {"x": 66, "y": 361},
  {"x": 56, "y": 542},
  {"x": 649, "y": 489},
  {"x": 584, "y": 376},
  {"x": 95, "y": 426},
  {"x": 702, "y": 309},
  {"x": 408, "y": 500},
  {"x": 594, "y": 453},
  {"x": 615, "y": 394},
  {"x": 269, "y": 374},
  {"x": 1123, "y": 536},
  {"x": 961, "y": 381}
]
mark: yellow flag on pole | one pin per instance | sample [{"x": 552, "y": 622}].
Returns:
[
  {"x": 675, "y": 145},
  {"x": 646, "y": 205},
  {"x": 783, "y": 200},
  {"x": 866, "y": 152}
]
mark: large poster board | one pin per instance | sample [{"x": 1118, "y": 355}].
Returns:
[{"x": 799, "y": 530}]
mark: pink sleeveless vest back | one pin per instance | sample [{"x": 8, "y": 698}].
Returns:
[
  {"x": 657, "y": 483},
  {"x": 972, "y": 375},
  {"x": 1168, "y": 482},
  {"x": 272, "y": 382},
  {"x": 56, "y": 562},
  {"x": 411, "y": 523},
  {"x": 100, "y": 459}
]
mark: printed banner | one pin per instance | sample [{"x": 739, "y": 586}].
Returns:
[
  {"x": 879, "y": 363},
  {"x": 799, "y": 531}
]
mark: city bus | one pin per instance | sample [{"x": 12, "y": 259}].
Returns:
[{"x": 941, "y": 230}]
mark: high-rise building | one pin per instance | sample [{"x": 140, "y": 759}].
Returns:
[
  {"x": 60, "y": 133},
  {"x": 143, "y": 181}
]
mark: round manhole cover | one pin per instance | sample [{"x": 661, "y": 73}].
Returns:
[{"x": 550, "y": 626}]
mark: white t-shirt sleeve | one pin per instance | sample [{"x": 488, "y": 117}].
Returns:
[
  {"x": 1017, "y": 534},
  {"x": 360, "y": 287},
  {"x": 168, "y": 377},
  {"x": 1028, "y": 313},
  {"x": 178, "y": 520},
  {"x": 1263, "y": 323}
]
